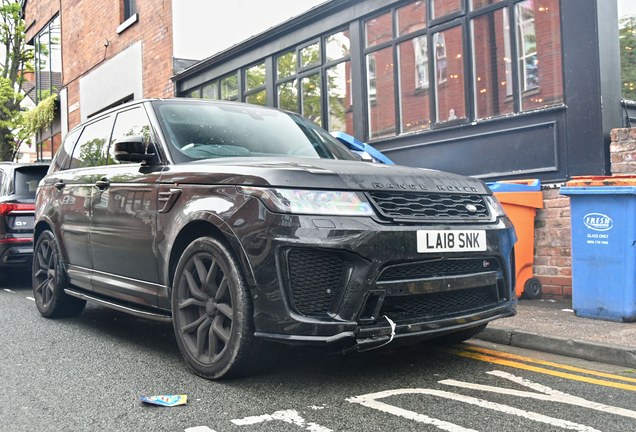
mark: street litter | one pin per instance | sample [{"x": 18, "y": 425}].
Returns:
[{"x": 166, "y": 400}]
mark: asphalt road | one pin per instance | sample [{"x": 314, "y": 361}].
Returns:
[{"x": 88, "y": 374}]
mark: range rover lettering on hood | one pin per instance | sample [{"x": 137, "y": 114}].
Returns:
[{"x": 410, "y": 186}]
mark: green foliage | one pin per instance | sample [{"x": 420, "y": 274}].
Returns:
[
  {"x": 627, "y": 35},
  {"x": 41, "y": 116},
  {"x": 18, "y": 58}
]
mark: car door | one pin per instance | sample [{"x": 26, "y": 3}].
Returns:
[
  {"x": 73, "y": 190},
  {"x": 124, "y": 214}
]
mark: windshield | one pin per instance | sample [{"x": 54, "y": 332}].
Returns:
[{"x": 213, "y": 130}]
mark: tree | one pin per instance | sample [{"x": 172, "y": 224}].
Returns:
[
  {"x": 17, "y": 60},
  {"x": 627, "y": 35}
]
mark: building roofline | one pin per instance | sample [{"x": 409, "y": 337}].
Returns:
[{"x": 271, "y": 33}]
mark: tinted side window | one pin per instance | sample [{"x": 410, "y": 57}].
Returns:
[
  {"x": 60, "y": 161},
  {"x": 26, "y": 180},
  {"x": 91, "y": 145},
  {"x": 128, "y": 123}
]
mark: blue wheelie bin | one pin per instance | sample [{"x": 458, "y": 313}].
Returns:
[{"x": 603, "y": 225}]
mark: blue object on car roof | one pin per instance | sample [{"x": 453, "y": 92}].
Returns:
[
  {"x": 356, "y": 145},
  {"x": 523, "y": 186}
]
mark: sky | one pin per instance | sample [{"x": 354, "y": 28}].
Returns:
[
  {"x": 205, "y": 27},
  {"x": 626, "y": 8}
]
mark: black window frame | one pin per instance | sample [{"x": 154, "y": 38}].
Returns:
[{"x": 130, "y": 8}]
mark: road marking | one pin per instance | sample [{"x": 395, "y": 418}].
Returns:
[
  {"x": 545, "y": 394},
  {"x": 30, "y": 298},
  {"x": 544, "y": 371},
  {"x": 370, "y": 401},
  {"x": 287, "y": 416},
  {"x": 199, "y": 429},
  {"x": 547, "y": 363},
  {"x": 8, "y": 290}
]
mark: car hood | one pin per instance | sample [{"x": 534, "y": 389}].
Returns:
[{"x": 318, "y": 174}]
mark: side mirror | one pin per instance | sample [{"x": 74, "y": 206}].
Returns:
[{"x": 132, "y": 149}]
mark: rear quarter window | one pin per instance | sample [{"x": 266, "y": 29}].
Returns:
[{"x": 26, "y": 180}]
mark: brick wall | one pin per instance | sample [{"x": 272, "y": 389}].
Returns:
[
  {"x": 552, "y": 250},
  {"x": 38, "y": 13},
  {"x": 88, "y": 25},
  {"x": 623, "y": 151},
  {"x": 552, "y": 245}
]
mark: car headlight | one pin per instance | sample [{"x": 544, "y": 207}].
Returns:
[
  {"x": 494, "y": 205},
  {"x": 298, "y": 201}
]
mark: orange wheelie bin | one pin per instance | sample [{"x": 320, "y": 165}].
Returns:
[{"x": 520, "y": 199}]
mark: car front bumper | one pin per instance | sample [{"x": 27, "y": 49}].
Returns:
[{"x": 321, "y": 280}]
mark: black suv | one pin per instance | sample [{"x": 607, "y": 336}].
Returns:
[
  {"x": 18, "y": 183},
  {"x": 245, "y": 225}
]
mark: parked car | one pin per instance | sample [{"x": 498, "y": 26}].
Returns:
[
  {"x": 245, "y": 225},
  {"x": 18, "y": 183}
]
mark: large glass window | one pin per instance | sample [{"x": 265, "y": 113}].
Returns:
[
  {"x": 627, "y": 37},
  {"x": 492, "y": 72},
  {"x": 449, "y": 67},
  {"x": 538, "y": 31},
  {"x": 414, "y": 85},
  {"x": 229, "y": 87},
  {"x": 255, "y": 85},
  {"x": 439, "y": 8}
]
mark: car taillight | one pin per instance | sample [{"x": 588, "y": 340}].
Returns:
[
  {"x": 16, "y": 240},
  {"x": 16, "y": 209}
]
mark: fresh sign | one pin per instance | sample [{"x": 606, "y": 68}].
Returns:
[{"x": 598, "y": 222}]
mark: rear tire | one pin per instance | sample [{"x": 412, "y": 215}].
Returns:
[
  {"x": 212, "y": 312},
  {"x": 49, "y": 280},
  {"x": 533, "y": 289}
]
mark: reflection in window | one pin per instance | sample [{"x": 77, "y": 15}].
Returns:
[
  {"x": 128, "y": 123},
  {"x": 440, "y": 8},
  {"x": 211, "y": 91},
  {"x": 539, "y": 53},
  {"x": 378, "y": 29},
  {"x": 476, "y": 4},
  {"x": 257, "y": 98},
  {"x": 255, "y": 76},
  {"x": 627, "y": 38},
  {"x": 286, "y": 65},
  {"x": 229, "y": 88},
  {"x": 491, "y": 65},
  {"x": 195, "y": 94},
  {"x": 411, "y": 17},
  {"x": 310, "y": 55},
  {"x": 288, "y": 96},
  {"x": 449, "y": 60},
  {"x": 414, "y": 97},
  {"x": 380, "y": 82},
  {"x": 338, "y": 46},
  {"x": 339, "y": 94},
  {"x": 90, "y": 147},
  {"x": 311, "y": 107}
]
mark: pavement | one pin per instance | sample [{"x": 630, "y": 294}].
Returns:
[{"x": 552, "y": 326}]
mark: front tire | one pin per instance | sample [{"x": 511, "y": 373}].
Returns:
[
  {"x": 212, "y": 311},
  {"x": 49, "y": 280}
]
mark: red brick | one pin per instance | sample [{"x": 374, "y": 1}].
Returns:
[
  {"x": 559, "y": 280},
  {"x": 567, "y": 290},
  {"x": 552, "y": 289}
]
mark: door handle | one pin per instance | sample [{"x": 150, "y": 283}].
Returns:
[
  {"x": 102, "y": 184},
  {"x": 59, "y": 184}
]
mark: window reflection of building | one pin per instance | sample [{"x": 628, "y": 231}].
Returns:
[
  {"x": 421, "y": 62},
  {"x": 627, "y": 42},
  {"x": 527, "y": 49},
  {"x": 440, "y": 57}
]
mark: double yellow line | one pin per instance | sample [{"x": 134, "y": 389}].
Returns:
[{"x": 515, "y": 361}]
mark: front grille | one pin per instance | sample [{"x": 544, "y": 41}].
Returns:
[
  {"x": 430, "y": 206},
  {"x": 446, "y": 304},
  {"x": 315, "y": 277},
  {"x": 427, "y": 269}
]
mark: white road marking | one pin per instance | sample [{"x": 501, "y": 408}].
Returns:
[
  {"x": 287, "y": 416},
  {"x": 30, "y": 298},
  {"x": 8, "y": 290},
  {"x": 199, "y": 429},
  {"x": 370, "y": 401},
  {"x": 546, "y": 394}
]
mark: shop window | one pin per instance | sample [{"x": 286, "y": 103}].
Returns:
[
  {"x": 195, "y": 94},
  {"x": 311, "y": 102},
  {"x": 255, "y": 85},
  {"x": 288, "y": 96},
  {"x": 310, "y": 55},
  {"x": 411, "y": 17},
  {"x": 286, "y": 65},
  {"x": 229, "y": 88},
  {"x": 492, "y": 72},
  {"x": 381, "y": 92},
  {"x": 440, "y": 8},
  {"x": 378, "y": 30},
  {"x": 339, "y": 97},
  {"x": 449, "y": 64},
  {"x": 414, "y": 95},
  {"x": 476, "y": 4},
  {"x": 211, "y": 91},
  {"x": 338, "y": 46},
  {"x": 539, "y": 53}
]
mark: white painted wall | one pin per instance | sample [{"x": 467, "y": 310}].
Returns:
[{"x": 202, "y": 28}]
